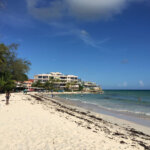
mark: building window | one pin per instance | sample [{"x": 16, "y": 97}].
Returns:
[
  {"x": 45, "y": 77},
  {"x": 39, "y": 77},
  {"x": 63, "y": 78},
  {"x": 62, "y": 84}
]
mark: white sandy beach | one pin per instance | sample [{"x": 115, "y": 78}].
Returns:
[{"x": 28, "y": 123}]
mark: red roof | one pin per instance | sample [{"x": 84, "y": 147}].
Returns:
[{"x": 32, "y": 80}]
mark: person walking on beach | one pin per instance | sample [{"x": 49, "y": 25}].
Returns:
[
  {"x": 7, "y": 97},
  {"x": 25, "y": 91},
  {"x": 52, "y": 93}
]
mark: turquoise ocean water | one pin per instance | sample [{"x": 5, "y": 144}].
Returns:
[{"x": 130, "y": 102}]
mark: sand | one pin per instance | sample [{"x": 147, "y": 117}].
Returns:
[{"x": 32, "y": 122}]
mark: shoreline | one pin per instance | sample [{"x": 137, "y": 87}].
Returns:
[
  {"x": 140, "y": 119},
  {"x": 34, "y": 121},
  {"x": 108, "y": 116},
  {"x": 108, "y": 122},
  {"x": 77, "y": 92}
]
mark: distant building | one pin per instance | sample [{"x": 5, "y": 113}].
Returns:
[
  {"x": 91, "y": 87},
  {"x": 70, "y": 82},
  {"x": 55, "y": 75},
  {"x": 27, "y": 84},
  {"x": 60, "y": 80},
  {"x": 24, "y": 85}
]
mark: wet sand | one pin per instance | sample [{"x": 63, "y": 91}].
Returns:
[{"x": 132, "y": 117}]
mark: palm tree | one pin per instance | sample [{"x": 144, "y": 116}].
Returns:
[
  {"x": 68, "y": 85},
  {"x": 47, "y": 85}
]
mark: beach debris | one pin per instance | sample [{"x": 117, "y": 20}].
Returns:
[
  {"x": 99, "y": 125},
  {"x": 122, "y": 142}
]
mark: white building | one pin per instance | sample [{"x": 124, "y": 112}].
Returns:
[
  {"x": 90, "y": 86},
  {"x": 55, "y": 75},
  {"x": 62, "y": 79}
]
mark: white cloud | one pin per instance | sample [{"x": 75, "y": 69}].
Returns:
[
  {"x": 83, "y": 35},
  {"x": 95, "y": 9},
  {"x": 88, "y": 40},
  {"x": 80, "y": 9},
  {"x": 141, "y": 83},
  {"x": 59, "y": 14}
]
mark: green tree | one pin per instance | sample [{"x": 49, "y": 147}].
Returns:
[
  {"x": 18, "y": 67},
  {"x": 37, "y": 84},
  {"x": 6, "y": 82},
  {"x": 47, "y": 85},
  {"x": 68, "y": 85},
  {"x": 12, "y": 68},
  {"x": 80, "y": 87},
  {"x": 53, "y": 83}
]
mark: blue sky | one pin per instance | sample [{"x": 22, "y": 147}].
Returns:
[{"x": 104, "y": 41}]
